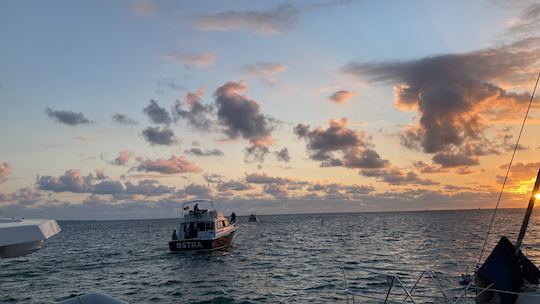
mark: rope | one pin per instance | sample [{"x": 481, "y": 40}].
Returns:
[{"x": 507, "y": 172}]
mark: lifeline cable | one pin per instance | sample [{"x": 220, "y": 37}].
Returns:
[{"x": 507, "y": 172}]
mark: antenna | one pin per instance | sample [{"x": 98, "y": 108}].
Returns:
[
  {"x": 187, "y": 187},
  {"x": 209, "y": 190}
]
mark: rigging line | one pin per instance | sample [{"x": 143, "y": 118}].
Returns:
[
  {"x": 209, "y": 189},
  {"x": 187, "y": 187},
  {"x": 507, "y": 172}
]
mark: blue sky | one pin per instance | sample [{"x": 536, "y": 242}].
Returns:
[{"x": 100, "y": 58}]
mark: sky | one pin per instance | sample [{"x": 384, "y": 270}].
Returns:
[{"x": 122, "y": 110}]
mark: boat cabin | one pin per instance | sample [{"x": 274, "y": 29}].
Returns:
[{"x": 201, "y": 220}]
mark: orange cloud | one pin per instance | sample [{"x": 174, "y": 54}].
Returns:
[
  {"x": 5, "y": 170},
  {"x": 173, "y": 165},
  {"x": 341, "y": 96}
]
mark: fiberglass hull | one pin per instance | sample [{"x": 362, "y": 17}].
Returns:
[{"x": 201, "y": 244}]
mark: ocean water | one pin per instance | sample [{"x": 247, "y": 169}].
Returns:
[{"x": 280, "y": 259}]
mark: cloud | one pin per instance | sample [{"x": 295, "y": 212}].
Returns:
[
  {"x": 143, "y": 8},
  {"x": 26, "y": 196},
  {"x": 527, "y": 24},
  {"x": 69, "y": 118},
  {"x": 458, "y": 96},
  {"x": 422, "y": 167},
  {"x": 255, "y": 154},
  {"x": 213, "y": 178},
  {"x": 157, "y": 136},
  {"x": 266, "y": 70},
  {"x": 197, "y": 114},
  {"x": 157, "y": 114},
  {"x": 283, "y": 155},
  {"x": 197, "y": 59},
  {"x": 123, "y": 120},
  {"x": 241, "y": 116},
  {"x": 170, "y": 83},
  {"x": 173, "y": 165},
  {"x": 521, "y": 177},
  {"x": 262, "y": 178},
  {"x": 363, "y": 159},
  {"x": 396, "y": 176},
  {"x": 273, "y": 196},
  {"x": 96, "y": 207},
  {"x": 275, "y": 190},
  {"x": 122, "y": 158},
  {"x": 108, "y": 187},
  {"x": 450, "y": 160},
  {"x": 74, "y": 181},
  {"x": 148, "y": 188},
  {"x": 286, "y": 188},
  {"x": 341, "y": 96},
  {"x": 71, "y": 181},
  {"x": 276, "y": 20},
  {"x": 5, "y": 170},
  {"x": 100, "y": 174},
  {"x": 358, "y": 189},
  {"x": 234, "y": 186},
  {"x": 464, "y": 171},
  {"x": 198, "y": 190},
  {"x": 201, "y": 152},
  {"x": 340, "y": 146}
]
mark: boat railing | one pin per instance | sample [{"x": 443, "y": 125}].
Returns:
[
  {"x": 202, "y": 215},
  {"x": 416, "y": 286}
]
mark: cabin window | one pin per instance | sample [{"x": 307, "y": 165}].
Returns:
[
  {"x": 220, "y": 225},
  {"x": 209, "y": 226},
  {"x": 184, "y": 227},
  {"x": 201, "y": 227}
]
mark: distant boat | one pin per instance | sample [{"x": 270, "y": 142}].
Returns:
[
  {"x": 202, "y": 228},
  {"x": 19, "y": 237},
  {"x": 252, "y": 217}
]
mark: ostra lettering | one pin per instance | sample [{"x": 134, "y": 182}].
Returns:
[{"x": 189, "y": 245}]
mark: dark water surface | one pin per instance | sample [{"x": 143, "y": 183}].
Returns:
[{"x": 281, "y": 259}]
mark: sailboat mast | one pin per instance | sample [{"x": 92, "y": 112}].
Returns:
[{"x": 528, "y": 213}]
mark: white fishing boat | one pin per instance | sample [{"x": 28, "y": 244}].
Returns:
[
  {"x": 19, "y": 237},
  {"x": 202, "y": 228}
]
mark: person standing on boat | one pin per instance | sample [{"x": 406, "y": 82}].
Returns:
[
  {"x": 196, "y": 210},
  {"x": 174, "y": 236},
  {"x": 233, "y": 218}
]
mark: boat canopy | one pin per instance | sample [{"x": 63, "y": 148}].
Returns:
[{"x": 201, "y": 204}]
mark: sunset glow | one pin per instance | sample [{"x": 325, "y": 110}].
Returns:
[{"x": 338, "y": 106}]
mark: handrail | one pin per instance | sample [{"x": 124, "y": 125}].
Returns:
[
  {"x": 394, "y": 279},
  {"x": 199, "y": 200}
]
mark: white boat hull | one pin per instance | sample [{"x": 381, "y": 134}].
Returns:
[{"x": 12, "y": 251}]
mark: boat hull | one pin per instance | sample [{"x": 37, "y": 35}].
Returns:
[
  {"x": 16, "y": 250},
  {"x": 201, "y": 245}
]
